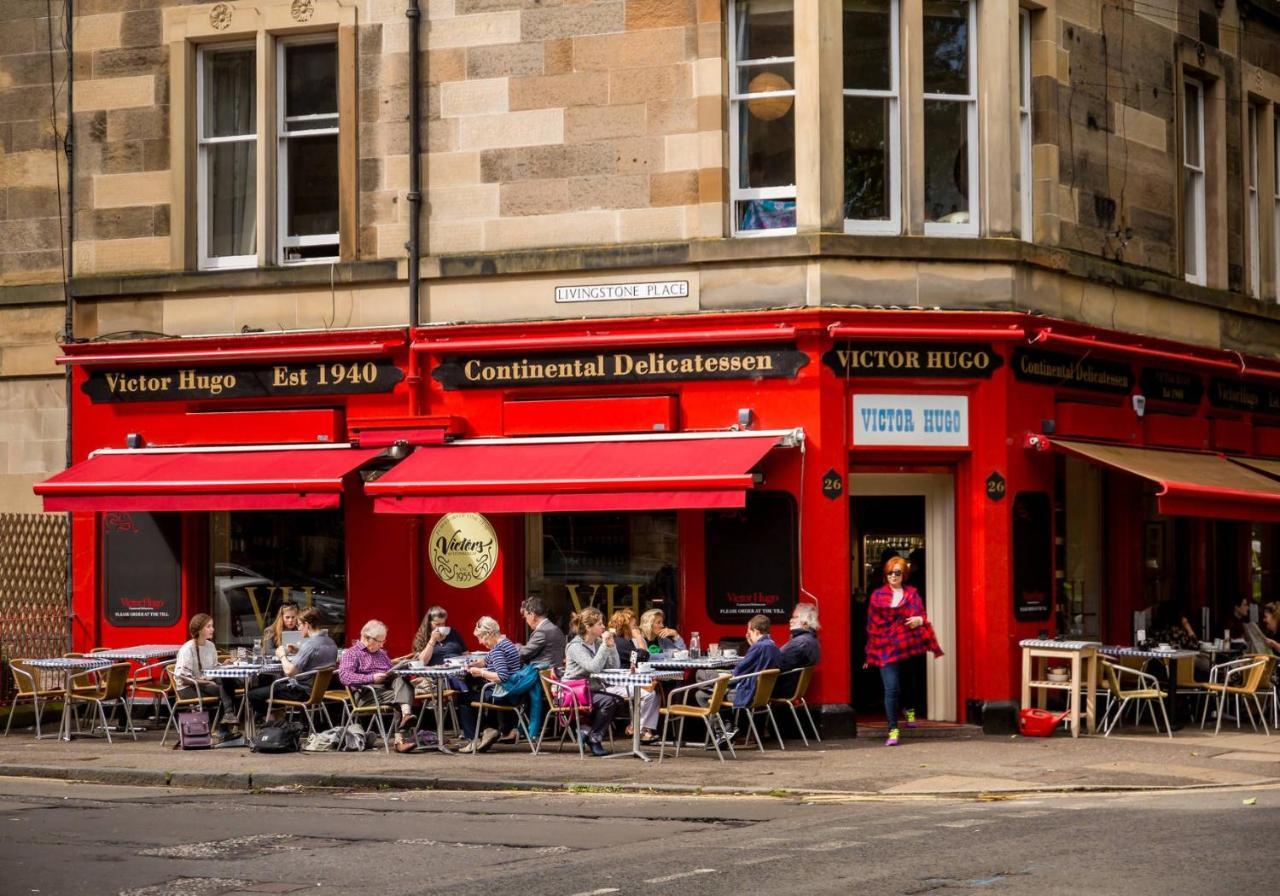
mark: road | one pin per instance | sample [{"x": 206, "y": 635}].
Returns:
[{"x": 64, "y": 838}]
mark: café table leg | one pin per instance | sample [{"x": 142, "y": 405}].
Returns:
[
  {"x": 439, "y": 701},
  {"x": 637, "y": 693}
]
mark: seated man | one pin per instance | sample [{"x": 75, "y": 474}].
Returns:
[
  {"x": 366, "y": 664},
  {"x": 546, "y": 642},
  {"x": 801, "y": 650},
  {"x": 316, "y": 651},
  {"x": 761, "y": 655}
]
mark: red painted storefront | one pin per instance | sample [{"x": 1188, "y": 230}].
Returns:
[{"x": 387, "y": 577}]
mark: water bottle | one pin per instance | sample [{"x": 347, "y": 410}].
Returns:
[{"x": 695, "y": 646}]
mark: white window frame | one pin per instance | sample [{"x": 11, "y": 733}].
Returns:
[
  {"x": 1024, "y": 122},
  {"x": 284, "y": 242},
  {"x": 737, "y": 108},
  {"x": 1253, "y": 202},
  {"x": 1195, "y": 255},
  {"x": 204, "y": 260},
  {"x": 894, "y": 224},
  {"x": 970, "y": 99}
]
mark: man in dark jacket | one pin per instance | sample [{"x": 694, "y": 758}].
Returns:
[
  {"x": 546, "y": 641},
  {"x": 761, "y": 655},
  {"x": 802, "y": 650}
]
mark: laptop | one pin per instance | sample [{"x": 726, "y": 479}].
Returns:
[
  {"x": 1257, "y": 643},
  {"x": 290, "y": 637}
]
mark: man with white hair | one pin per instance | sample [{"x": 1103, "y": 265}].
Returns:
[
  {"x": 366, "y": 669},
  {"x": 802, "y": 650}
]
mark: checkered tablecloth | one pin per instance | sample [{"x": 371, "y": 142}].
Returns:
[
  {"x": 623, "y": 678},
  {"x": 1148, "y": 654},
  {"x": 429, "y": 671},
  {"x": 723, "y": 662},
  {"x": 1058, "y": 645},
  {"x": 71, "y": 662},
  {"x": 243, "y": 670},
  {"x": 141, "y": 652}
]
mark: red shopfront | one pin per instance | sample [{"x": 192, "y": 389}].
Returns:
[{"x": 712, "y": 465}]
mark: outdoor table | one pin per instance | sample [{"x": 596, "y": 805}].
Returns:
[
  {"x": 244, "y": 671},
  {"x": 439, "y": 676},
  {"x": 1080, "y": 656},
  {"x": 143, "y": 653},
  {"x": 637, "y": 681},
  {"x": 706, "y": 662},
  {"x": 71, "y": 666},
  {"x": 1168, "y": 657}
]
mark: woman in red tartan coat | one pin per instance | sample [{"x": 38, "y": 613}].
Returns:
[{"x": 897, "y": 629}]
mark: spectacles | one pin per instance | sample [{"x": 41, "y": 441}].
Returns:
[{"x": 894, "y": 572}]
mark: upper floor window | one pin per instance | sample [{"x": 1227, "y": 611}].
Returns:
[
  {"x": 1275, "y": 185},
  {"x": 762, "y": 118},
  {"x": 1253, "y": 200},
  {"x": 226, "y": 165},
  {"x": 872, "y": 143},
  {"x": 950, "y": 118},
  {"x": 1024, "y": 123},
  {"x": 308, "y": 153},
  {"x": 1193, "y": 198}
]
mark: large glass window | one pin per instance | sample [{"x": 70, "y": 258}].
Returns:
[
  {"x": 871, "y": 134},
  {"x": 762, "y": 116},
  {"x": 1193, "y": 236},
  {"x": 610, "y": 561},
  {"x": 950, "y": 118},
  {"x": 308, "y": 153},
  {"x": 227, "y": 156},
  {"x": 261, "y": 560}
]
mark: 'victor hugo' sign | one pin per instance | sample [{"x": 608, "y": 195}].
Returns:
[
  {"x": 902, "y": 359},
  {"x": 751, "y": 559},
  {"x": 256, "y": 381},
  {"x": 1171, "y": 385},
  {"x": 1057, "y": 369},
  {"x": 1238, "y": 396},
  {"x": 141, "y": 568},
  {"x": 620, "y": 367}
]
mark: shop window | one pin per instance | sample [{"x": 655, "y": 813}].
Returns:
[
  {"x": 872, "y": 146},
  {"x": 1080, "y": 491},
  {"x": 610, "y": 561},
  {"x": 950, "y": 118},
  {"x": 227, "y": 115},
  {"x": 1193, "y": 186},
  {"x": 1024, "y": 123},
  {"x": 762, "y": 125},
  {"x": 261, "y": 560},
  {"x": 751, "y": 560}
]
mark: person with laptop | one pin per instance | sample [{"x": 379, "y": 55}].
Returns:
[
  {"x": 316, "y": 651},
  {"x": 1271, "y": 626},
  {"x": 283, "y": 631}
]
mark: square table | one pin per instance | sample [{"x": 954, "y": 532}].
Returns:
[
  {"x": 439, "y": 677},
  {"x": 637, "y": 681},
  {"x": 143, "y": 653},
  {"x": 1079, "y": 655},
  {"x": 244, "y": 672},
  {"x": 72, "y": 666},
  {"x": 705, "y": 662},
  {"x": 1168, "y": 657}
]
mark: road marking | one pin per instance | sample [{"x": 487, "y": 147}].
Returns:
[
  {"x": 760, "y": 860},
  {"x": 961, "y": 823},
  {"x": 670, "y": 877},
  {"x": 599, "y": 892}
]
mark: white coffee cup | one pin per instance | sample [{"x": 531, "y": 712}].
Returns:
[{"x": 730, "y": 652}]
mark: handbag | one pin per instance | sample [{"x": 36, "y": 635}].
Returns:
[
  {"x": 193, "y": 730},
  {"x": 574, "y": 694}
]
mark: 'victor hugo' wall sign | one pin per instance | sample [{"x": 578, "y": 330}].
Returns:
[
  {"x": 908, "y": 359},
  {"x": 463, "y": 549},
  {"x": 255, "y": 381}
]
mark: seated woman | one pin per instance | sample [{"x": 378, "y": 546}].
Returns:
[
  {"x": 436, "y": 641},
  {"x": 628, "y": 639},
  {"x": 501, "y": 665},
  {"x": 1271, "y": 626},
  {"x": 194, "y": 657},
  {"x": 286, "y": 621},
  {"x": 592, "y": 650},
  {"x": 659, "y": 638}
]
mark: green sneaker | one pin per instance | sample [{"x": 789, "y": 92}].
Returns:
[
  {"x": 893, "y": 738},
  {"x": 911, "y": 718}
]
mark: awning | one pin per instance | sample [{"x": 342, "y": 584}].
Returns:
[
  {"x": 659, "y": 472},
  {"x": 1261, "y": 464},
  {"x": 1190, "y": 484},
  {"x": 287, "y": 478}
]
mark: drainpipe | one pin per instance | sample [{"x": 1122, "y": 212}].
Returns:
[
  {"x": 68, "y": 320},
  {"x": 414, "y": 15}
]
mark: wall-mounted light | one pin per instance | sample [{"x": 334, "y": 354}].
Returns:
[
  {"x": 745, "y": 417},
  {"x": 133, "y": 440}
]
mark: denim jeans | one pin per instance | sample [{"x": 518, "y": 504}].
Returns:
[{"x": 896, "y": 678}]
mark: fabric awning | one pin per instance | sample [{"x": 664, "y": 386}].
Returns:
[
  {"x": 548, "y": 475},
  {"x": 1190, "y": 484},
  {"x": 1261, "y": 464},
  {"x": 288, "y": 478}
]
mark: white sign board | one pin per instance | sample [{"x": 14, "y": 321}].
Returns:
[
  {"x": 622, "y": 292},
  {"x": 920, "y": 420}
]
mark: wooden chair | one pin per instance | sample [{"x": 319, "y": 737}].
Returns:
[
  {"x": 804, "y": 677},
  {"x": 1244, "y": 679},
  {"x": 315, "y": 700},
  {"x": 113, "y": 683},
  {"x": 28, "y": 683},
  {"x": 1147, "y": 692},
  {"x": 709, "y": 714},
  {"x": 195, "y": 702},
  {"x": 765, "y": 680},
  {"x": 486, "y": 702}
]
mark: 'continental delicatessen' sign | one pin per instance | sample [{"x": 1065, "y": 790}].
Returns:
[
  {"x": 619, "y": 367},
  {"x": 258, "y": 381}
]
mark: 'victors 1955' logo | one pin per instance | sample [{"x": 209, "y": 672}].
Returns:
[{"x": 463, "y": 549}]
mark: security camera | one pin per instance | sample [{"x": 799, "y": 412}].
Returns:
[{"x": 1139, "y": 404}]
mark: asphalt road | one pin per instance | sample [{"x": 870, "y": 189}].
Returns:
[{"x": 63, "y": 838}]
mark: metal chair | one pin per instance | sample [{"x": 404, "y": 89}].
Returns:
[
  {"x": 522, "y": 721},
  {"x": 353, "y": 707},
  {"x": 1148, "y": 692},
  {"x": 804, "y": 677},
  {"x": 153, "y": 683},
  {"x": 710, "y": 714},
  {"x": 1251, "y": 675},
  {"x": 765, "y": 680},
  {"x": 315, "y": 700},
  {"x": 567, "y": 714},
  {"x": 28, "y": 684},
  {"x": 113, "y": 682},
  {"x": 197, "y": 701}
]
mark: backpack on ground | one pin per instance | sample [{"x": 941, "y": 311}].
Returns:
[
  {"x": 278, "y": 737},
  {"x": 324, "y": 741},
  {"x": 354, "y": 738},
  {"x": 193, "y": 731}
]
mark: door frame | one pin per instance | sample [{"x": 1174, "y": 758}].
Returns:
[{"x": 938, "y": 491}]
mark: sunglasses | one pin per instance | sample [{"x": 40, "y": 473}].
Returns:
[{"x": 894, "y": 572}]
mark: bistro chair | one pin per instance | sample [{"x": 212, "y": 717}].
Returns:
[
  {"x": 803, "y": 677},
  {"x": 567, "y": 716},
  {"x": 28, "y": 683},
  {"x": 153, "y": 683},
  {"x": 113, "y": 682},
  {"x": 196, "y": 702},
  {"x": 765, "y": 680},
  {"x": 486, "y": 702},
  {"x": 315, "y": 700},
  {"x": 1244, "y": 679},
  {"x": 710, "y": 714},
  {"x": 353, "y": 707},
  {"x": 424, "y": 695},
  {"x": 1148, "y": 692}
]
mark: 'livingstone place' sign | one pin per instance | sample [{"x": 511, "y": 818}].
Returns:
[{"x": 258, "y": 381}]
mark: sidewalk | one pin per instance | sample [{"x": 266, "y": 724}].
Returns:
[{"x": 967, "y": 764}]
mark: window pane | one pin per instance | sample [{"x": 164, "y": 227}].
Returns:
[
  {"x": 765, "y": 29},
  {"x": 946, "y": 162},
  {"x": 1191, "y": 122},
  {"x": 866, "y": 158},
  {"x": 261, "y": 560},
  {"x": 313, "y": 185},
  {"x": 867, "y": 45},
  {"x": 946, "y": 47},
  {"x": 230, "y": 101},
  {"x": 767, "y": 156},
  {"x": 311, "y": 80},
  {"x": 1191, "y": 223},
  {"x": 768, "y": 79},
  {"x": 231, "y": 201},
  {"x": 610, "y": 561},
  {"x": 765, "y": 214}
]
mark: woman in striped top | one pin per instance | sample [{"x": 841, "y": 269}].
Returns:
[{"x": 499, "y": 666}]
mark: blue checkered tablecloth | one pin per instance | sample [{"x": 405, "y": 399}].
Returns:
[
  {"x": 242, "y": 670},
  {"x": 141, "y": 652},
  {"x": 623, "y": 678},
  {"x": 71, "y": 662},
  {"x": 1147, "y": 654},
  {"x": 1058, "y": 645},
  {"x": 723, "y": 662},
  {"x": 429, "y": 671}
]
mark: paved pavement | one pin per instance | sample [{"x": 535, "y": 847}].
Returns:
[{"x": 967, "y": 764}]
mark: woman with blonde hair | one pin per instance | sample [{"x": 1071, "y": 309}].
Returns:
[
  {"x": 593, "y": 650},
  {"x": 286, "y": 620},
  {"x": 657, "y": 636}
]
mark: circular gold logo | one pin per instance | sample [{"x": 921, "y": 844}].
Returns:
[{"x": 464, "y": 549}]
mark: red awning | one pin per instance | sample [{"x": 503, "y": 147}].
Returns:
[
  {"x": 535, "y": 476},
  {"x": 1190, "y": 484},
  {"x": 283, "y": 479}
]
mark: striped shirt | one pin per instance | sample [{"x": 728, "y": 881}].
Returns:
[{"x": 503, "y": 658}]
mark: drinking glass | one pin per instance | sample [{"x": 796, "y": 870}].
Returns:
[{"x": 713, "y": 651}]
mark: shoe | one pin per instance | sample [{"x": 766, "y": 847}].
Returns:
[
  {"x": 730, "y": 732},
  {"x": 488, "y": 738},
  {"x": 893, "y": 738},
  {"x": 468, "y": 747},
  {"x": 509, "y": 739},
  {"x": 597, "y": 749},
  {"x": 404, "y": 746},
  {"x": 648, "y": 738},
  {"x": 911, "y": 718},
  {"x": 406, "y": 723}
]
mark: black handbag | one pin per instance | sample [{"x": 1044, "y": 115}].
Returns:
[{"x": 278, "y": 737}]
